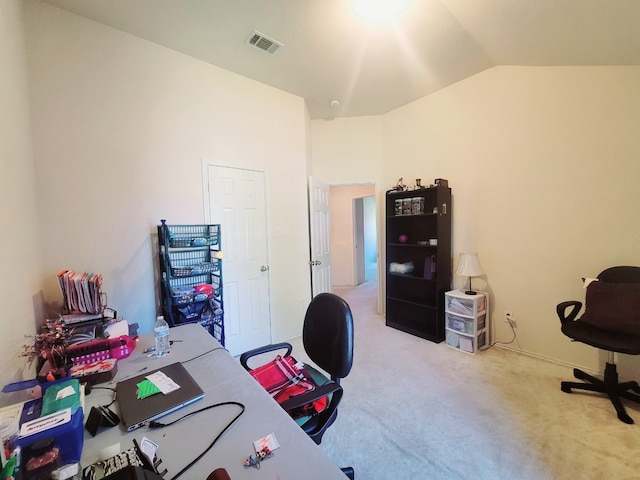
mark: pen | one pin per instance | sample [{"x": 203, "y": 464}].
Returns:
[
  {"x": 132, "y": 375},
  {"x": 152, "y": 349}
]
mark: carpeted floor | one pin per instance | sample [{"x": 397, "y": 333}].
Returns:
[{"x": 413, "y": 409}]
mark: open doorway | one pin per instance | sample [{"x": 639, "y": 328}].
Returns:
[
  {"x": 354, "y": 250},
  {"x": 365, "y": 248}
]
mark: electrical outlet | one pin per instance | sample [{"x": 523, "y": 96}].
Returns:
[{"x": 508, "y": 318}]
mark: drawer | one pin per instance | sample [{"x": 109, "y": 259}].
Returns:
[
  {"x": 465, "y": 343},
  {"x": 460, "y": 324},
  {"x": 465, "y": 305}
]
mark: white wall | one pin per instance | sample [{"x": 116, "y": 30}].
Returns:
[
  {"x": 121, "y": 126},
  {"x": 347, "y": 150},
  {"x": 20, "y": 294},
  {"x": 350, "y": 151},
  {"x": 543, "y": 165}
]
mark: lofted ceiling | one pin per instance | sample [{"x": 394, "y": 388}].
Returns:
[{"x": 329, "y": 53}]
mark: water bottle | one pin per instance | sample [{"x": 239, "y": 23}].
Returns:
[{"x": 161, "y": 332}]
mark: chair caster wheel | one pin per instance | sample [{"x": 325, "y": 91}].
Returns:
[
  {"x": 565, "y": 388},
  {"x": 625, "y": 418}
]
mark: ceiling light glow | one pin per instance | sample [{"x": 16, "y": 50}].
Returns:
[{"x": 380, "y": 10}]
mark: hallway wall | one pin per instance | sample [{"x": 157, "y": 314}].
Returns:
[{"x": 341, "y": 211}]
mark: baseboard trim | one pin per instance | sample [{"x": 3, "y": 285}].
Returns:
[{"x": 548, "y": 359}]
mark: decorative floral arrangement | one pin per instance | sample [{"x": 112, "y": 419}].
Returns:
[{"x": 49, "y": 346}]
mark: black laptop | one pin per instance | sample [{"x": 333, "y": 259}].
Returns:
[{"x": 136, "y": 412}]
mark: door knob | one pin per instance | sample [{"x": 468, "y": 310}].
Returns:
[{"x": 263, "y": 268}]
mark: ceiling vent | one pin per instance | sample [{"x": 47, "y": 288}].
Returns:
[{"x": 264, "y": 43}]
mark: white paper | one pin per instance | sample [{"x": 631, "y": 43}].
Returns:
[
  {"x": 12, "y": 411},
  {"x": 118, "y": 329},
  {"x": 466, "y": 344},
  {"x": 43, "y": 423},
  {"x": 268, "y": 441},
  {"x": 65, "y": 392},
  {"x": 164, "y": 383},
  {"x": 148, "y": 448}
]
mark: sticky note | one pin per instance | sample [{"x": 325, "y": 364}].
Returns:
[{"x": 146, "y": 388}]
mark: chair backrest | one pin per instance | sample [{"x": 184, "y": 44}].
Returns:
[
  {"x": 622, "y": 274},
  {"x": 327, "y": 334},
  {"x": 612, "y": 304}
]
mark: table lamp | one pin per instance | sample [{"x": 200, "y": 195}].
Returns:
[{"x": 469, "y": 266}]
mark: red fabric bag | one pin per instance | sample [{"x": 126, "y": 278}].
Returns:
[{"x": 284, "y": 378}]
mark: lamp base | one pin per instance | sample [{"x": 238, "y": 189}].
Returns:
[{"x": 470, "y": 292}]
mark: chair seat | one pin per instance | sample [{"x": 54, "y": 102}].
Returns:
[
  {"x": 310, "y": 422},
  {"x": 603, "y": 339}
]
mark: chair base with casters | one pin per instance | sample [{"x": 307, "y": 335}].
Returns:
[
  {"x": 609, "y": 385},
  {"x": 610, "y": 322}
]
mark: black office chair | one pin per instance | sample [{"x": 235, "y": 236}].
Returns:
[
  {"x": 611, "y": 322},
  {"x": 327, "y": 336}
]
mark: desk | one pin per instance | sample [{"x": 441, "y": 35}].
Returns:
[{"x": 223, "y": 379}]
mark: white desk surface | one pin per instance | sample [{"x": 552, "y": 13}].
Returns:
[{"x": 223, "y": 379}]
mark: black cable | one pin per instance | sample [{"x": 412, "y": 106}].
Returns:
[
  {"x": 155, "y": 424},
  {"x": 502, "y": 343},
  {"x": 107, "y": 388},
  {"x": 205, "y": 353}
]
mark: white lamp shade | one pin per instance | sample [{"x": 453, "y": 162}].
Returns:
[{"x": 469, "y": 265}]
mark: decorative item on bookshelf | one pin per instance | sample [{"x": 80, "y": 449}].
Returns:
[
  {"x": 429, "y": 267},
  {"x": 441, "y": 182},
  {"x": 417, "y": 205}
]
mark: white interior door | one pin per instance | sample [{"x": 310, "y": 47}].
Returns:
[
  {"x": 236, "y": 200},
  {"x": 320, "y": 261}
]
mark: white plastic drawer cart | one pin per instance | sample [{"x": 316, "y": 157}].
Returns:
[{"x": 466, "y": 318}]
